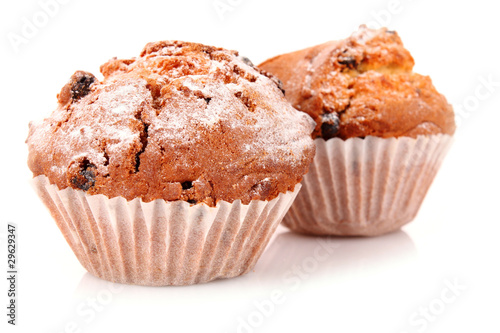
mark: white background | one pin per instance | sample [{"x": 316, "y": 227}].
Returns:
[{"x": 363, "y": 285}]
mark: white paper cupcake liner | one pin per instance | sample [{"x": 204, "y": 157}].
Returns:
[
  {"x": 366, "y": 187},
  {"x": 162, "y": 243}
]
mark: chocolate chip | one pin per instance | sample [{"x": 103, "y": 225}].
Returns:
[
  {"x": 208, "y": 99},
  {"x": 187, "y": 185},
  {"x": 85, "y": 178},
  {"x": 347, "y": 61},
  {"x": 246, "y": 61},
  {"x": 80, "y": 84},
  {"x": 280, "y": 85},
  {"x": 329, "y": 125},
  {"x": 261, "y": 190}
]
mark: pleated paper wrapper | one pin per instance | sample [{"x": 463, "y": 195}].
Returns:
[
  {"x": 162, "y": 243},
  {"x": 366, "y": 187}
]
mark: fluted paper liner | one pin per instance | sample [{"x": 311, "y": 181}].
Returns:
[
  {"x": 162, "y": 243},
  {"x": 366, "y": 186}
]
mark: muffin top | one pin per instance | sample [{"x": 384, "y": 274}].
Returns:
[
  {"x": 363, "y": 85},
  {"x": 183, "y": 121}
]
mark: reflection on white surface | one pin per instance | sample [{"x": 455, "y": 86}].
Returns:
[
  {"x": 290, "y": 254},
  {"x": 336, "y": 258},
  {"x": 290, "y": 262}
]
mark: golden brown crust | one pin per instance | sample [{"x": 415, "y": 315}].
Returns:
[
  {"x": 184, "y": 121},
  {"x": 363, "y": 85}
]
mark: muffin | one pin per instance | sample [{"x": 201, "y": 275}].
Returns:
[
  {"x": 381, "y": 133},
  {"x": 175, "y": 169}
]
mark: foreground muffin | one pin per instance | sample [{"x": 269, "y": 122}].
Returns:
[
  {"x": 175, "y": 169},
  {"x": 381, "y": 133}
]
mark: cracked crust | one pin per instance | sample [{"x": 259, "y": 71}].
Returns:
[
  {"x": 363, "y": 85},
  {"x": 183, "y": 121}
]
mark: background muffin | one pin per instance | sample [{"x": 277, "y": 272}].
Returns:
[
  {"x": 175, "y": 135},
  {"x": 363, "y": 87}
]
